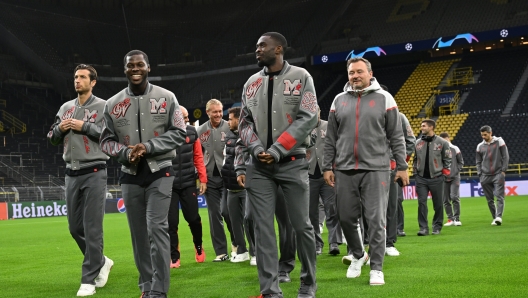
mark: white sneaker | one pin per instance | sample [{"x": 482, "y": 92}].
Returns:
[
  {"x": 392, "y": 251},
  {"x": 253, "y": 261},
  {"x": 376, "y": 278},
  {"x": 498, "y": 221},
  {"x": 102, "y": 278},
  {"x": 86, "y": 290},
  {"x": 458, "y": 223},
  {"x": 240, "y": 257},
  {"x": 354, "y": 270},
  {"x": 344, "y": 239},
  {"x": 493, "y": 223},
  {"x": 321, "y": 230},
  {"x": 449, "y": 223}
]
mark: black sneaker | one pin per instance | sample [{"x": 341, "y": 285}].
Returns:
[
  {"x": 284, "y": 277},
  {"x": 334, "y": 249},
  {"x": 221, "y": 258},
  {"x": 306, "y": 291},
  {"x": 401, "y": 233}
]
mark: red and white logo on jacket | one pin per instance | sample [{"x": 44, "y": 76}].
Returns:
[
  {"x": 252, "y": 88},
  {"x": 120, "y": 109},
  {"x": 89, "y": 116},
  {"x": 68, "y": 114}
]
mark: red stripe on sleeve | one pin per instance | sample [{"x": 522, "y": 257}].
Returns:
[{"x": 286, "y": 140}]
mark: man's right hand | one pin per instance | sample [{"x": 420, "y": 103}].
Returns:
[
  {"x": 329, "y": 178},
  {"x": 64, "y": 125},
  {"x": 241, "y": 179}
]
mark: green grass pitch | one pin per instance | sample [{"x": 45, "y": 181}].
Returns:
[{"x": 38, "y": 258}]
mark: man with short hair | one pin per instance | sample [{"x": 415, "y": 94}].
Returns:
[
  {"x": 187, "y": 164},
  {"x": 359, "y": 154},
  {"x": 452, "y": 184},
  {"x": 143, "y": 127},
  {"x": 213, "y": 137},
  {"x": 279, "y": 110},
  {"x": 432, "y": 163},
  {"x": 78, "y": 126},
  {"x": 492, "y": 163}
]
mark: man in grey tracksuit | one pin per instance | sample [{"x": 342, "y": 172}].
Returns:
[
  {"x": 77, "y": 127},
  {"x": 143, "y": 127},
  {"x": 392, "y": 206},
  {"x": 432, "y": 163},
  {"x": 213, "y": 137},
  {"x": 492, "y": 163},
  {"x": 318, "y": 188},
  {"x": 363, "y": 125},
  {"x": 279, "y": 110},
  {"x": 452, "y": 184}
]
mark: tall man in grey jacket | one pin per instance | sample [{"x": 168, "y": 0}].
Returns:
[
  {"x": 452, "y": 185},
  {"x": 213, "y": 137},
  {"x": 363, "y": 125},
  {"x": 143, "y": 127},
  {"x": 279, "y": 110},
  {"x": 78, "y": 126},
  {"x": 492, "y": 163},
  {"x": 432, "y": 163}
]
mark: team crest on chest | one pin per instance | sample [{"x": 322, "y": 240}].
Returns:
[
  {"x": 437, "y": 147},
  {"x": 89, "y": 116},
  {"x": 158, "y": 106},
  {"x": 323, "y": 133},
  {"x": 292, "y": 88},
  {"x": 252, "y": 89},
  {"x": 120, "y": 109},
  {"x": 222, "y": 136},
  {"x": 419, "y": 145},
  {"x": 68, "y": 114}
]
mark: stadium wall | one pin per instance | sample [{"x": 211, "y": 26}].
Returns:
[{"x": 474, "y": 189}]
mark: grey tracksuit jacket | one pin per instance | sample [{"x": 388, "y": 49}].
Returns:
[
  {"x": 153, "y": 119},
  {"x": 492, "y": 158},
  {"x": 457, "y": 162},
  {"x": 213, "y": 141},
  {"x": 294, "y": 112},
  {"x": 410, "y": 139},
  {"x": 315, "y": 154},
  {"x": 439, "y": 157},
  {"x": 81, "y": 149},
  {"x": 360, "y": 125}
]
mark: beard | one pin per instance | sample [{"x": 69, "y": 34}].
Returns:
[{"x": 264, "y": 61}]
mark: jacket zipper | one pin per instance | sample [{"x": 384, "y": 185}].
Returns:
[
  {"x": 357, "y": 131},
  {"x": 490, "y": 159}
]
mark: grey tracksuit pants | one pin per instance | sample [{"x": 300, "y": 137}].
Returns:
[
  {"x": 494, "y": 186},
  {"x": 368, "y": 189},
  {"x": 262, "y": 181},
  {"x": 401, "y": 212},
  {"x": 436, "y": 187},
  {"x": 216, "y": 198},
  {"x": 452, "y": 198},
  {"x": 392, "y": 212},
  {"x": 236, "y": 203},
  {"x": 85, "y": 204},
  {"x": 147, "y": 210},
  {"x": 318, "y": 188}
]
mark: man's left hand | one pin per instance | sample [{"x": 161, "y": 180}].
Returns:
[
  {"x": 203, "y": 188},
  {"x": 266, "y": 158},
  {"x": 76, "y": 124},
  {"x": 403, "y": 176}
]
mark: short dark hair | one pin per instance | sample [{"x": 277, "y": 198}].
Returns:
[
  {"x": 279, "y": 38},
  {"x": 136, "y": 52},
  {"x": 357, "y": 59},
  {"x": 93, "y": 73},
  {"x": 444, "y": 135},
  {"x": 430, "y": 122},
  {"x": 485, "y": 128},
  {"x": 235, "y": 111}
]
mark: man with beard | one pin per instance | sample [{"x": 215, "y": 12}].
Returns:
[
  {"x": 363, "y": 126},
  {"x": 78, "y": 124},
  {"x": 279, "y": 110},
  {"x": 212, "y": 135},
  {"x": 143, "y": 127},
  {"x": 432, "y": 164}
]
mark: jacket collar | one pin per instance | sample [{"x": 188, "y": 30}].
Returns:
[
  {"x": 285, "y": 68},
  {"x": 89, "y": 101},
  {"x": 374, "y": 86},
  {"x": 493, "y": 140},
  {"x": 147, "y": 90}
]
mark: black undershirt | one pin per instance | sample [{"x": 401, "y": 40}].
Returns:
[
  {"x": 426, "y": 166},
  {"x": 270, "y": 103},
  {"x": 144, "y": 176},
  {"x": 317, "y": 172}
]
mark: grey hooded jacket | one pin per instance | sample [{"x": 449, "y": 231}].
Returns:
[
  {"x": 362, "y": 126},
  {"x": 492, "y": 157},
  {"x": 457, "y": 161},
  {"x": 81, "y": 149}
]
